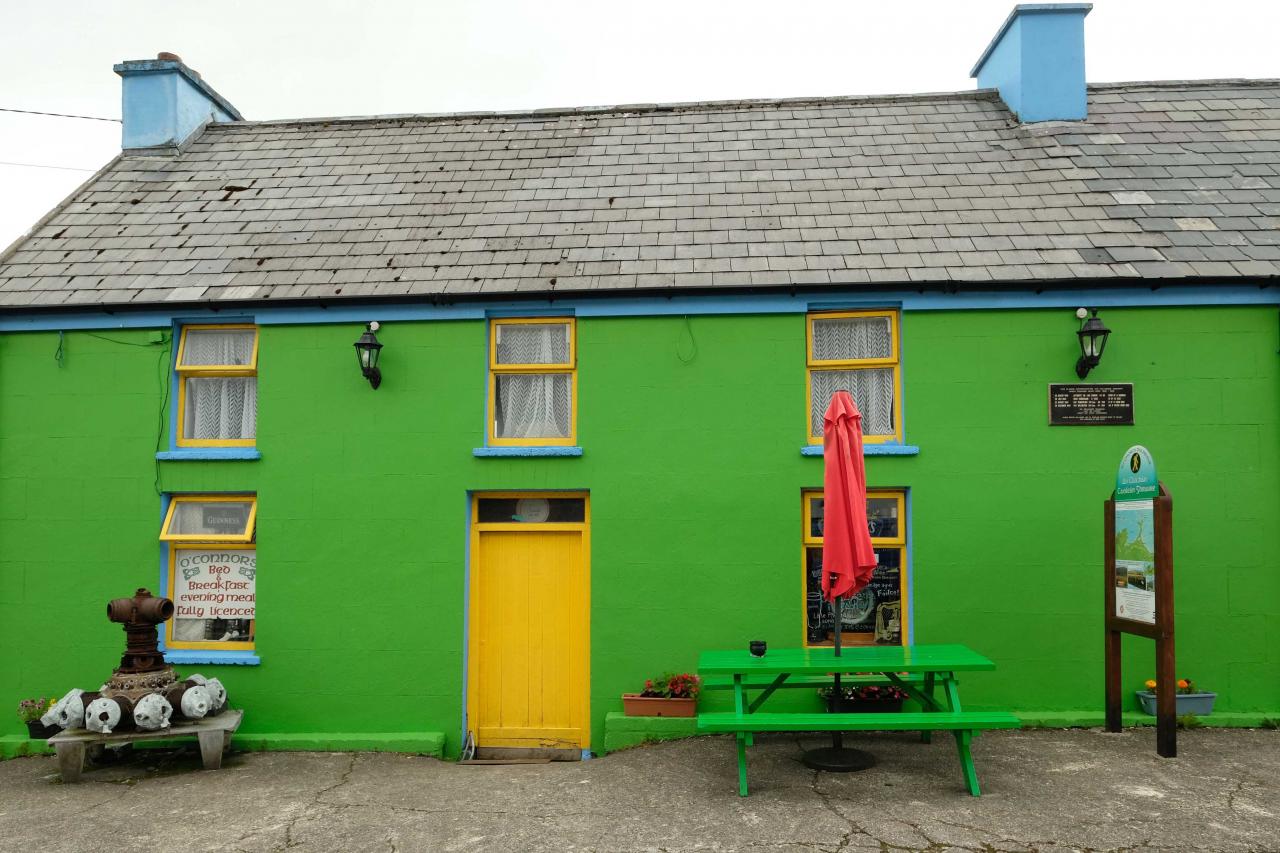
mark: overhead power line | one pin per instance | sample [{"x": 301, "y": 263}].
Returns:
[
  {"x": 45, "y": 166},
  {"x": 56, "y": 115}
]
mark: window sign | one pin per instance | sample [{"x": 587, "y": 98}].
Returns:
[
  {"x": 214, "y": 594},
  {"x": 205, "y": 518}
]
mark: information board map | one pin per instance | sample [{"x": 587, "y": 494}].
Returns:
[{"x": 1135, "y": 567}]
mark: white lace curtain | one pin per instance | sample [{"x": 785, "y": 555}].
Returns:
[
  {"x": 204, "y": 347},
  {"x": 220, "y": 407},
  {"x": 871, "y": 389},
  {"x": 533, "y": 405},
  {"x": 843, "y": 338}
]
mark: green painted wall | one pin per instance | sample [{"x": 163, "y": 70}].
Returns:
[{"x": 691, "y": 432}]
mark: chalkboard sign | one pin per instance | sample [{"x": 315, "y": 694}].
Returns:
[
  {"x": 873, "y": 615},
  {"x": 1079, "y": 404}
]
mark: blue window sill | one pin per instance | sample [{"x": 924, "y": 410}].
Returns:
[
  {"x": 527, "y": 451},
  {"x": 211, "y": 656},
  {"x": 869, "y": 450},
  {"x": 196, "y": 453}
]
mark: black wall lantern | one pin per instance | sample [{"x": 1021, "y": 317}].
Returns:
[
  {"x": 367, "y": 349},
  {"x": 1093, "y": 340}
]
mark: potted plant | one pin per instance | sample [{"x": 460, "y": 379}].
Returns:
[
  {"x": 668, "y": 696},
  {"x": 31, "y": 710},
  {"x": 864, "y": 698},
  {"x": 1189, "y": 700}
]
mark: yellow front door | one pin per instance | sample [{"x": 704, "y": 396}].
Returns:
[{"x": 528, "y": 672}]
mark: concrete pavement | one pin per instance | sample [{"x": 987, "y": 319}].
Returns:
[{"x": 1044, "y": 790}]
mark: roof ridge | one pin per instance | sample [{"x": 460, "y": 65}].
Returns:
[
  {"x": 1237, "y": 82},
  {"x": 677, "y": 106}
]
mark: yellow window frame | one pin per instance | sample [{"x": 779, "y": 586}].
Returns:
[
  {"x": 202, "y": 370},
  {"x": 568, "y": 368},
  {"x": 894, "y": 361},
  {"x": 210, "y": 538},
  {"x": 169, "y": 642},
  {"x": 899, "y": 542}
]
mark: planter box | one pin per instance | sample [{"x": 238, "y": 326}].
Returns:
[
  {"x": 37, "y": 730},
  {"x": 863, "y": 706},
  {"x": 636, "y": 705},
  {"x": 1200, "y": 704}
]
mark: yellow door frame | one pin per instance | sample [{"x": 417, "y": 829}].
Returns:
[{"x": 583, "y": 601}]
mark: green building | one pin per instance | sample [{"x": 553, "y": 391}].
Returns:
[{"x": 590, "y": 445}]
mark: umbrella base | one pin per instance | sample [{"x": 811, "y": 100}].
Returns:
[{"x": 838, "y": 759}]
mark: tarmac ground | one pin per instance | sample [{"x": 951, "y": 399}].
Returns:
[{"x": 1043, "y": 790}]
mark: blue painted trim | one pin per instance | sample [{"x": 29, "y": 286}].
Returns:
[
  {"x": 174, "y": 338},
  {"x": 527, "y": 451},
  {"x": 551, "y": 311},
  {"x": 466, "y": 615},
  {"x": 586, "y": 755},
  {"x": 869, "y": 450},
  {"x": 657, "y": 306},
  {"x": 211, "y": 656},
  {"x": 195, "y": 453},
  {"x": 911, "y": 573}
]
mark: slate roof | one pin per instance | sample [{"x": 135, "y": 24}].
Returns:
[{"x": 1169, "y": 180}]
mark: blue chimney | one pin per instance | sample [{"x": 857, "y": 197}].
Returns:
[
  {"x": 165, "y": 102},
  {"x": 1036, "y": 61}
]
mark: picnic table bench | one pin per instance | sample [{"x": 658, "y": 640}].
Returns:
[
  {"x": 213, "y": 733},
  {"x": 922, "y": 672}
]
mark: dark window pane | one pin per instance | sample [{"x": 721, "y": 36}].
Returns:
[
  {"x": 873, "y": 615},
  {"x": 815, "y": 517},
  {"x": 882, "y": 517},
  {"x": 532, "y": 510}
]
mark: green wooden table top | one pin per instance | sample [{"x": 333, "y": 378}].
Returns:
[{"x": 934, "y": 658}]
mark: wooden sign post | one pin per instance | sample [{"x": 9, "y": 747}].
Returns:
[{"x": 1139, "y": 586}]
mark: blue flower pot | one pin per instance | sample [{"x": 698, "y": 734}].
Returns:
[{"x": 1200, "y": 704}]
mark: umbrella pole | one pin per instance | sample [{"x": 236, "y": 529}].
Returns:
[
  {"x": 836, "y": 758},
  {"x": 837, "y": 738}
]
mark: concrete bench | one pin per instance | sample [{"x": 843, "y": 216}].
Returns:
[{"x": 213, "y": 733}]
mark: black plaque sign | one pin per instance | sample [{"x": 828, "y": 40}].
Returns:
[{"x": 1079, "y": 404}]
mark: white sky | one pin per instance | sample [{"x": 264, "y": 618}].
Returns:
[{"x": 306, "y": 58}]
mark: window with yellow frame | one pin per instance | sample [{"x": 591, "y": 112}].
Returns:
[
  {"x": 533, "y": 382},
  {"x": 858, "y": 352},
  {"x": 217, "y": 386},
  {"x": 212, "y": 571},
  {"x": 877, "y": 615}
]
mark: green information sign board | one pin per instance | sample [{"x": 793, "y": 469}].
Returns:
[{"x": 1136, "y": 478}]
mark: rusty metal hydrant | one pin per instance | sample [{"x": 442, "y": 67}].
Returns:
[{"x": 140, "y": 615}]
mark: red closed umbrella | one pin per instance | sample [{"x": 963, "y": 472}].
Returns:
[
  {"x": 847, "y": 556},
  {"x": 848, "y": 559}
]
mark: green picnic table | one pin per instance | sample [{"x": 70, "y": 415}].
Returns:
[{"x": 926, "y": 673}]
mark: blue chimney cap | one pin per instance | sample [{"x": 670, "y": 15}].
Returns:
[
  {"x": 165, "y": 102},
  {"x": 1036, "y": 60}
]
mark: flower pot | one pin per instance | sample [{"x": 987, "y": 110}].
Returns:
[
  {"x": 37, "y": 730},
  {"x": 1200, "y": 704},
  {"x": 635, "y": 705},
  {"x": 863, "y": 706}
]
